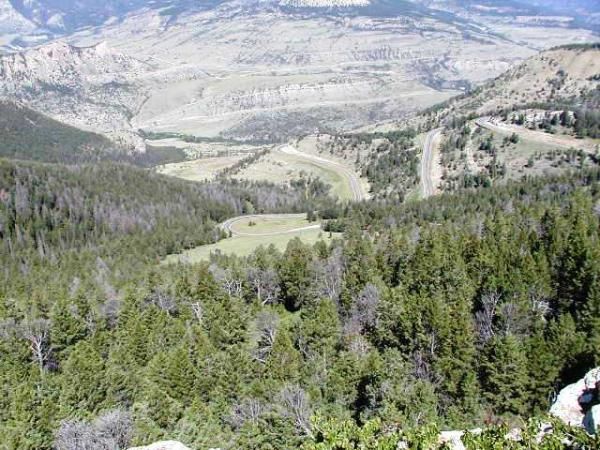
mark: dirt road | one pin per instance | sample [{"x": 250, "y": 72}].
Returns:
[
  {"x": 533, "y": 135},
  {"x": 429, "y": 166}
]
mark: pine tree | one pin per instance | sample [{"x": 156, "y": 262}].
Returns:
[
  {"x": 505, "y": 375},
  {"x": 320, "y": 328},
  {"x": 284, "y": 361},
  {"x": 590, "y": 321},
  {"x": 67, "y": 327},
  {"x": 83, "y": 388},
  {"x": 296, "y": 274}
]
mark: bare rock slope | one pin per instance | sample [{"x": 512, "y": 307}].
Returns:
[
  {"x": 94, "y": 87},
  {"x": 559, "y": 74},
  {"x": 163, "y": 445}
]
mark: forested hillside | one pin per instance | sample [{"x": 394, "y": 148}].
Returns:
[
  {"x": 28, "y": 135},
  {"x": 458, "y": 311},
  {"x": 58, "y": 222}
]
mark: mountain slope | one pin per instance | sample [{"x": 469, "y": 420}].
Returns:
[
  {"x": 568, "y": 74},
  {"x": 263, "y": 70},
  {"x": 27, "y": 134},
  {"x": 90, "y": 87},
  {"x": 11, "y": 22},
  {"x": 539, "y": 117}
]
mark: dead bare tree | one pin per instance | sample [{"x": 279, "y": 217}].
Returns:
[
  {"x": 485, "y": 317},
  {"x": 267, "y": 324},
  {"x": 330, "y": 275},
  {"x": 540, "y": 306},
  {"x": 229, "y": 281},
  {"x": 76, "y": 435},
  {"x": 359, "y": 345},
  {"x": 295, "y": 405},
  {"x": 265, "y": 284},
  {"x": 163, "y": 301},
  {"x": 366, "y": 306},
  {"x": 248, "y": 410},
  {"x": 198, "y": 311},
  {"x": 363, "y": 313},
  {"x": 115, "y": 426},
  {"x": 516, "y": 319},
  {"x": 37, "y": 333},
  {"x": 111, "y": 431}
]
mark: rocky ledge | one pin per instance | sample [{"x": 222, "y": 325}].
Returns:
[{"x": 578, "y": 404}]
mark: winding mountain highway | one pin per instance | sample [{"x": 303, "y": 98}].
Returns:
[
  {"x": 356, "y": 188},
  {"x": 228, "y": 225},
  {"x": 354, "y": 183},
  {"x": 428, "y": 165}
]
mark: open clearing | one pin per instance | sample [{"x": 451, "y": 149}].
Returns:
[
  {"x": 533, "y": 145},
  {"x": 268, "y": 224},
  {"x": 287, "y": 163},
  {"x": 199, "y": 169},
  {"x": 541, "y": 137},
  {"x": 275, "y": 230}
]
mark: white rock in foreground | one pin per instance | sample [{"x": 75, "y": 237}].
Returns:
[
  {"x": 163, "y": 445},
  {"x": 568, "y": 404}
]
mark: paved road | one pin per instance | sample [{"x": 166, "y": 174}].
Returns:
[
  {"x": 356, "y": 187},
  {"x": 353, "y": 181},
  {"x": 428, "y": 163},
  {"x": 227, "y": 226}
]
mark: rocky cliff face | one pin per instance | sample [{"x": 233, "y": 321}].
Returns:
[
  {"x": 94, "y": 88},
  {"x": 11, "y": 21}
]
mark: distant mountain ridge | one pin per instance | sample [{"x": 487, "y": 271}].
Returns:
[{"x": 63, "y": 16}]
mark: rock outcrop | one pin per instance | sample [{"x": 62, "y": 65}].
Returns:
[
  {"x": 163, "y": 445},
  {"x": 578, "y": 403},
  {"x": 95, "y": 88}
]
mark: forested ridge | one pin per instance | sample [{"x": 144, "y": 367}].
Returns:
[
  {"x": 59, "y": 222},
  {"x": 463, "y": 310},
  {"x": 28, "y": 135}
]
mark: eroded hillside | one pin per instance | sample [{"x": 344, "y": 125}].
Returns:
[{"x": 267, "y": 70}]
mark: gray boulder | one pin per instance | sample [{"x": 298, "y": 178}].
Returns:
[
  {"x": 163, "y": 445},
  {"x": 572, "y": 401}
]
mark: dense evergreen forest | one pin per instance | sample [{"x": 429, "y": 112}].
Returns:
[
  {"x": 469, "y": 309},
  {"x": 462, "y": 310},
  {"x": 26, "y": 134}
]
